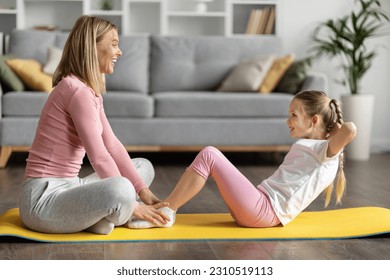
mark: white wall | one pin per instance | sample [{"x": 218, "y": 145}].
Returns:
[{"x": 298, "y": 18}]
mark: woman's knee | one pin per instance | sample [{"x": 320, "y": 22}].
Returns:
[{"x": 122, "y": 190}]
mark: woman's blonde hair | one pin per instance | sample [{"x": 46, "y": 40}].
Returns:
[
  {"x": 79, "y": 56},
  {"x": 318, "y": 103}
]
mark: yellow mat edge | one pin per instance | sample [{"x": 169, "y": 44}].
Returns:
[{"x": 85, "y": 237}]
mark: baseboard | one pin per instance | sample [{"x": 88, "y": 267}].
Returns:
[{"x": 380, "y": 146}]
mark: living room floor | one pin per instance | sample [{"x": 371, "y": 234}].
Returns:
[{"x": 368, "y": 185}]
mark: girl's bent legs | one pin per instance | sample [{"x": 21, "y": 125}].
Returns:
[
  {"x": 248, "y": 206},
  {"x": 58, "y": 205}
]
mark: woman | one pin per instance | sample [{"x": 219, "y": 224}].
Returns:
[
  {"x": 73, "y": 123},
  {"x": 309, "y": 168}
]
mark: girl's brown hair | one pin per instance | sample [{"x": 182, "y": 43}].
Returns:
[
  {"x": 318, "y": 103},
  {"x": 79, "y": 56}
]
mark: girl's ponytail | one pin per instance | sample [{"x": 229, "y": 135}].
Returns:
[{"x": 341, "y": 181}]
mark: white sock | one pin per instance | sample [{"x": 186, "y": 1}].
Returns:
[{"x": 171, "y": 214}]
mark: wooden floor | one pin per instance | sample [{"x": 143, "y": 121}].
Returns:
[{"x": 368, "y": 185}]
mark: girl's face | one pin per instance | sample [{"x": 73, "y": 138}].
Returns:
[
  {"x": 299, "y": 123},
  {"x": 108, "y": 52}
]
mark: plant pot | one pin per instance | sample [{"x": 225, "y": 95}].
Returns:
[{"x": 359, "y": 109}]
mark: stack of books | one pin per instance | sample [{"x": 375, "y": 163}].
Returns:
[{"x": 261, "y": 21}]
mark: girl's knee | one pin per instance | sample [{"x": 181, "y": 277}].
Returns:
[{"x": 210, "y": 151}]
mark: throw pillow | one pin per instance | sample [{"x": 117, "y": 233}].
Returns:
[
  {"x": 247, "y": 75},
  {"x": 279, "y": 67},
  {"x": 53, "y": 59},
  {"x": 30, "y": 72},
  {"x": 293, "y": 78},
  {"x": 8, "y": 79}
]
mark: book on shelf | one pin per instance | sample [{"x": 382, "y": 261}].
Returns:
[
  {"x": 253, "y": 21},
  {"x": 261, "y": 21},
  {"x": 270, "y": 22}
]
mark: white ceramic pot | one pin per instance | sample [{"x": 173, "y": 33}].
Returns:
[
  {"x": 359, "y": 108},
  {"x": 201, "y": 5}
]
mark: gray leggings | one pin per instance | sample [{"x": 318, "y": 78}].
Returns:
[{"x": 67, "y": 205}]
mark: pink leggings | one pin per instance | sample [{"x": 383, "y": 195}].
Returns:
[{"x": 249, "y": 206}]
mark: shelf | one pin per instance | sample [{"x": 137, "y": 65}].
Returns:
[
  {"x": 143, "y": 17},
  {"x": 8, "y": 11},
  {"x": 196, "y": 14},
  {"x": 165, "y": 17},
  {"x": 106, "y": 12}
]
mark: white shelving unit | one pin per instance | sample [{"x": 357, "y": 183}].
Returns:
[
  {"x": 9, "y": 15},
  {"x": 166, "y": 17},
  {"x": 240, "y": 11},
  {"x": 115, "y": 15},
  {"x": 144, "y": 16},
  {"x": 183, "y": 18}
]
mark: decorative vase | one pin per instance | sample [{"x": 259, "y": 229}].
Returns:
[
  {"x": 359, "y": 109},
  {"x": 201, "y": 5}
]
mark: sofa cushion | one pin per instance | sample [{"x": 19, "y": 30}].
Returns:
[
  {"x": 116, "y": 104},
  {"x": 201, "y": 62},
  {"x": 212, "y": 104},
  {"x": 9, "y": 81},
  {"x": 276, "y": 72},
  {"x": 248, "y": 74},
  {"x": 292, "y": 80},
  {"x": 23, "y": 104},
  {"x": 53, "y": 59},
  {"x": 32, "y": 44},
  {"x": 132, "y": 68},
  {"x": 128, "y": 105},
  {"x": 30, "y": 72}
]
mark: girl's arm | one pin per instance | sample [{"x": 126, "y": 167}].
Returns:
[{"x": 340, "y": 136}]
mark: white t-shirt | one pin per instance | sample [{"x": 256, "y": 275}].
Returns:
[{"x": 305, "y": 172}]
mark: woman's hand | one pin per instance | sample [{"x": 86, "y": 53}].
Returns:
[
  {"x": 148, "y": 197},
  {"x": 151, "y": 213}
]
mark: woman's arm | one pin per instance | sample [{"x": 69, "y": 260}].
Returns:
[{"x": 340, "y": 136}]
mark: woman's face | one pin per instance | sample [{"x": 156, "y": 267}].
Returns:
[
  {"x": 108, "y": 52},
  {"x": 299, "y": 123}
]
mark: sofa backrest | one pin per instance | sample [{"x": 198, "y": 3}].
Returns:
[
  {"x": 35, "y": 44},
  {"x": 131, "y": 70},
  {"x": 201, "y": 62}
]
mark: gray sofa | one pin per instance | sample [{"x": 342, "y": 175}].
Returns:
[{"x": 162, "y": 95}]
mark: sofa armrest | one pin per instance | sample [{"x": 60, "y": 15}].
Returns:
[
  {"x": 316, "y": 81},
  {"x": 1, "y": 99}
]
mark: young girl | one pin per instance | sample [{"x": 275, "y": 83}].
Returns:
[{"x": 308, "y": 169}]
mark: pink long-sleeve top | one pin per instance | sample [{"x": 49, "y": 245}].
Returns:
[{"x": 73, "y": 123}]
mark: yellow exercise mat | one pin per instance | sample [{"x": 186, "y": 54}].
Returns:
[{"x": 329, "y": 224}]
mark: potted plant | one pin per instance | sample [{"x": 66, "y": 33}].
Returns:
[
  {"x": 106, "y": 4},
  {"x": 346, "y": 39}
]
